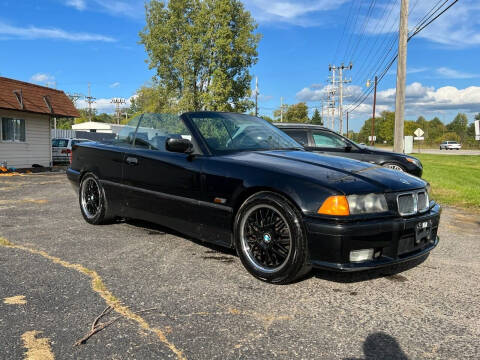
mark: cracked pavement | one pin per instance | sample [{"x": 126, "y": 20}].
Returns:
[{"x": 206, "y": 305}]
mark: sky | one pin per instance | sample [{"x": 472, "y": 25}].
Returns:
[{"x": 70, "y": 43}]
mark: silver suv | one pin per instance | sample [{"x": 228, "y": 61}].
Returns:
[{"x": 62, "y": 149}]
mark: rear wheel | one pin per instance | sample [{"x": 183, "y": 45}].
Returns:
[
  {"x": 92, "y": 200},
  {"x": 270, "y": 239},
  {"x": 394, "y": 166}
]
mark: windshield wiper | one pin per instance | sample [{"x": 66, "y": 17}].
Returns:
[{"x": 289, "y": 148}]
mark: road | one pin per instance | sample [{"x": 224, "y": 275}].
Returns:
[
  {"x": 447, "y": 152},
  {"x": 435, "y": 151},
  {"x": 181, "y": 299}
]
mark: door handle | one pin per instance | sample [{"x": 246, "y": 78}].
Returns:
[{"x": 131, "y": 160}]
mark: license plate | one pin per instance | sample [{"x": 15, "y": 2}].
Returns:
[{"x": 423, "y": 231}]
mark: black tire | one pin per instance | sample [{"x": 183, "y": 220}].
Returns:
[
  {"x": 92, "y": 200},
  {"x": 281, "y": 242},
  {"x": 394, "y": 166}
]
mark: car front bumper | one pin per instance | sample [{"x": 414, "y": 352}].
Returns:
[{"x": 395, "y": 239}]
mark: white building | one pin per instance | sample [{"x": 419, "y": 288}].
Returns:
[
  {"x": 26, "y": 112},
  {"x": 98, "y": 127}
]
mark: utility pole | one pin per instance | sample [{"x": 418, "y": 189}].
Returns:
[
  {"x": 342, "y": 81},
  {"x": 74, "y": 98},
  {"x": 333, "y": 81},
  {"x": 256, "y": 96},
  {"x": 90, "y": 100},
  {"x": 118, "y": 102},
  {"x": 398, "y": 142},
  {"x": 339, "y": 84},
  {"x": 374, "y": 105},
  {"x": 281, "y": 108},
  {"x": 347, "y": 126}
]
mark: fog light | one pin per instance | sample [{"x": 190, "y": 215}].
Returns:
[{"x": 361, "y": 255}]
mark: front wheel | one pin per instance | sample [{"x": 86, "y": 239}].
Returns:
[
  {"x": 394, "y": 166},
  {"x": 270, "y": 238},
  {"x": 92, "y": 200}
]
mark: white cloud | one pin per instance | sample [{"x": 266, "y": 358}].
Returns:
[
  {"x": 42, "y": 78},
  {"x": 128, "y": 8},
  {"x": 77, "y": 4},
  {"x": 115, "y": 84},
  {"x": 33, "y": 32},
  {"x": 316, "y": 93},
  {"x": 455, "y": 74},
  {"x": 420, "y": 99},
  {"x": 458, "y": 27},
  {"x": 294, "y": 12},
  {"x": 102, "y": 105}
]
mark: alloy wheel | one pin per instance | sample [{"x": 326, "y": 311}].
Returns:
[
  {"x": 266, "y": 238},
  {"x": 90, "y": 198}
]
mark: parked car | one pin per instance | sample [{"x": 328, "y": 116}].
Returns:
[
  {"x": 319, "y": 139},
  {"x": 238, "y": 181},
  {"x": 450, "y": 145},
  {"x": 62, "y": 149}
]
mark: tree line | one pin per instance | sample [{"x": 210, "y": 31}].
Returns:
[{"x": 435, "y": 131}]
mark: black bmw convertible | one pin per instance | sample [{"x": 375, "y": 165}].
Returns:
[{"x": 238, "y": 181}]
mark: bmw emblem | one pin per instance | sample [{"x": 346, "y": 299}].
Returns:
[{"x": 267, "y": 238}]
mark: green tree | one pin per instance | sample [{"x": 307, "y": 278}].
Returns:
[
  {"x": 202, "y": 51},
  {"x": 316, "y": 118},
  {"x": 459, "y": 125},
  {"x": 267, "y": 118},
  {"x": 436, "y": 129},
  {"x": 449, "y": 136},
  {"x": 385, "y": 125},
  {"x": 471, "y": 131},
  {"x": 297, "y": 113}
]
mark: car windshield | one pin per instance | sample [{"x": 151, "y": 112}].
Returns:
[
  {"x": 227, "y": 132},
  {"x": 59, "y": 142},
  {"x": 151, "y": 131}
]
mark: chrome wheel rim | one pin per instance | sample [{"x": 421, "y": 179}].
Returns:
[
  {"x": 394, "y": 167},
  {"x": 90, "y": 198},
  {"x": 266, "y": 238}
]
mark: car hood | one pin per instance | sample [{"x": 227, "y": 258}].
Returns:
[{"x": 337, "y": 173}]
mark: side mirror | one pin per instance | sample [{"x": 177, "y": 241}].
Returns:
[
  {"x": 184, "y": 146},
  {"x": 348, "y": 147}
]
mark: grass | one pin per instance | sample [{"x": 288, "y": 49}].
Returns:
[{"x": 455, "y": 180}]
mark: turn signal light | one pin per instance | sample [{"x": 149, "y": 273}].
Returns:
[{"x": 335, "y": 205}]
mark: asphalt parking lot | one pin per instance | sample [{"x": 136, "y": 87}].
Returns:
[{"x": 181, "y": 299}]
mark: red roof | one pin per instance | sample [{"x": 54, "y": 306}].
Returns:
[{"x": 35, "y": 98}]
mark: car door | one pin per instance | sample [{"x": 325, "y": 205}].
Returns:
[
  {"x": 299, "y": 135},
  {"x": 328, "y": 142},
  {"x": 162, "y": 186}
]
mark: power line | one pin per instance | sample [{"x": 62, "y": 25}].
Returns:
[
  {"x": 364, "y": 29},
  {"x": 345, "y": 25},
  {"x": 354, "y": 25},
  {"x": 426, "y": 20}
]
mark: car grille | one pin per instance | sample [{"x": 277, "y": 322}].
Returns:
[{"x": 412, "y": 203}]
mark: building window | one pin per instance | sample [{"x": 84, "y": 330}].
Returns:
[{"x": 13, "y": 129}]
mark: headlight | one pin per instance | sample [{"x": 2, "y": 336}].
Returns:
[
  {"x": 414, "y": 161},
  {"x": 429, "y": 192},
  {"x": 367, "y": 204}
]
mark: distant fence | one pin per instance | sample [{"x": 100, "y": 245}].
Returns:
[{"x": 62, "y": 133}]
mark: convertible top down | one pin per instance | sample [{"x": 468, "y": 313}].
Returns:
[{"x": 238, "y": 181}]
